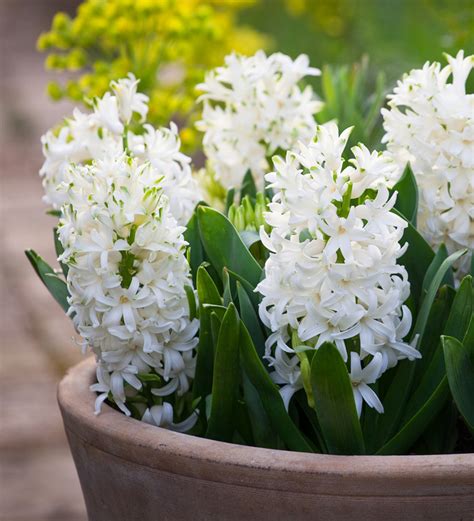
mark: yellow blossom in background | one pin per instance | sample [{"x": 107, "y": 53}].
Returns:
[{"x": 168, "y": 44}]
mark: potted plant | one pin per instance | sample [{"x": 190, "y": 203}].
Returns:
[{"x": 295, "y": 350}]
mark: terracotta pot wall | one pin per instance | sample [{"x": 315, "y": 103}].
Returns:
[{"x": 131, "y": 471}]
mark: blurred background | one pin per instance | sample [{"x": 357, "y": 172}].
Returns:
[{"x": 38, "y": 480}]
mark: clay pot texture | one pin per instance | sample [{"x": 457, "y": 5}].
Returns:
[{"x": 132, "y": 471}]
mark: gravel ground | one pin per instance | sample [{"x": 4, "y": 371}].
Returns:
[{"x": 38, "y": 481}]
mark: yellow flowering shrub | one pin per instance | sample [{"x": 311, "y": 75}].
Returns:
[{"x": 168, "y": 44}]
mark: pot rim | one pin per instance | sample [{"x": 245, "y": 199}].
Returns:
[{"x": 157, "y": 448}]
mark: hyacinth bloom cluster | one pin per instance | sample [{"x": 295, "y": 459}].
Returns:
[
  {"x": 430, "y": 123},
  {"x": 107, "y": 132},
  {"x": 123, "y": 198},
  {"x": 253, "y": 108},
  {"x": 332, "y": 274},
  {"x": 127, "y": 276}
]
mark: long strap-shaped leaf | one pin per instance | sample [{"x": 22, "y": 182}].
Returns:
[
  {"x": 224, "y": 247},
  {"x": 254, "y": 297},
  {"x": 462, "y": 310},
  {"x": 468, "y": 339},
  {"x": 195, "y": 250},
  {"x": 407, "y": 198},
  {"x": 434, "y": 328},
  {"x": 427, "y": 302},
  {"x": 248, "y": 186},
  {"x": 460, "y": 372},
  {"x": 431, "y": 378},
  {"x": 412, "y": 430},
  {"x": 225, "y": 383},
  {"x": 250, "y": 319},
  {"x": 416, "y": 259},
  {"x": 207, "y": 294},
  {"x": 335, "y": 406},
  {"x": 263, "y": 433},
  {"x": 56, "y": 286},
  {"x": 269, "y": 395},
  {"x": 441, "y": 255},
  {"x": 394, "y": 402}
]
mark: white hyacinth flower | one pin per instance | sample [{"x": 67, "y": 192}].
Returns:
[
  {"x": 253, "y": 107},
  {"x": 162, "y": 416},
  {"x": 362, "y": 377},
  {"x": 105, "y": 133},
  {"x": 332, "y": 274},
  {"x": 127, "y": 277},
  {"x": 430, "y": 123},
  {"x": 114, "y": 111},
  {"x": 128, "y": 99}
]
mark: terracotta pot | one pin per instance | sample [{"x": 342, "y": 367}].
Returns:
[{"x": 131, "y": 471}]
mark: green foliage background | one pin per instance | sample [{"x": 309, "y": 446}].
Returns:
[{"x": 396, "y": 34}]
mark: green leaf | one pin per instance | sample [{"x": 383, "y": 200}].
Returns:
[
  {"x": 427, "y": 301},
  {"x": 229, "y": 200},
  {"x": 369, "y": 420},
  {"x": 263, "y": 433},
  {"x": 407, "y": 198},
  {"x": 195, "y": 253},
  {"x": 439, "y": 258},
  {"x": 302, "y": 400},
  {"x": 468, "y": 340},
  {"x": 227, "y": 289},
  {"x": 462, "y": 310},
  {"x": 243, "y": 424},
  {"x": 434, "y": 328},
  {"x": 248, "y": 187},
  {"x": 215, "y": 330},
  {"x": 206, "y": 288},
  {"x": 416, "y": 259},
  {"x": 191, "y": 301},
  {"x": 217, "y": 309},
  {"x": 329, "y": 91},
  {"x": 56, "y": 286},
  {"x": 269, "y": 395},
  {"x": 460, "y": 372},
  {"x": 394, "y": 402},
  {"x": 224, "y": 247},
  {"x": 207, "y": 294},
  {"x": 335, "y": 406},
  {"x": 429, "y": 380},
  {"x": 251, "y": 320},
  {"x": 377, "y": 101},
  {"x": 440, "y": 435},
  {"x": 254, "y": 297},
  {"x": 249, "y": 238},
  {"x": 414, "y": 428},
  {"x": 226, "y": 380}
]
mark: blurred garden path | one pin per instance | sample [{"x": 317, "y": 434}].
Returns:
[{"x": 38, "y": 481}]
